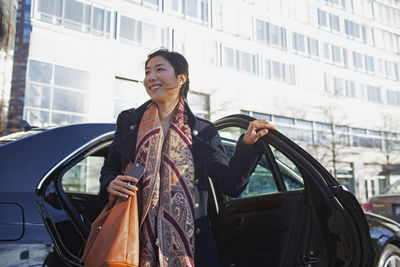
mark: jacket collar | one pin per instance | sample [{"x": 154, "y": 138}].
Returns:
[{"x": 127, "y": 146}]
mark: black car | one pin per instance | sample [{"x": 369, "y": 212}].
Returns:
[{"x": 292, "y": 213}]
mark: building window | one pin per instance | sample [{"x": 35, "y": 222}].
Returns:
[
  {"x": 357, "y": 61},
  {"x": 364, "y": 138},
  {"x": 199, "y": 104},
  {"x": 335, "y": 54},
  {"x": 350, "y": 88},
  {"x": 334, "y": 23},
  {"x": 393, "y": 97},
  {"x": 369, "y": 63},
  {"x": 355, "y": 30},
  {"x": 271, "y": 34},
  {"x": 280, "y": 71},
  {"x": 374, "y": 94},
  {"x": 197, "y": 9},
  {"x": 338, "y": 86},
  {"x": 131, "y": 30},
  {"x": 299, "y": 43},
  {"x": 75, "y": 15},
  {"x": 391, "y": 70},
  {"x": 50, "y": 10},
  {"x": 305, "y": 46},
  {"x": 322, "y": 19},
  {"x": 240, "y": 60},
  {"x": 55, "y": 94},
  {"x": 313, "y": 48}
]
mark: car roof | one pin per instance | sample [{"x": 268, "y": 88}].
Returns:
[{"x": 26, "y": 160}]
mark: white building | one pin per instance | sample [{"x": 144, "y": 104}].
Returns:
[{"x": 309, "y": 66}]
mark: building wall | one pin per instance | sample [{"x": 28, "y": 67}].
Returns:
[
  {"x": 317, "y": 63},
  {"x": 8, "y": 16}
]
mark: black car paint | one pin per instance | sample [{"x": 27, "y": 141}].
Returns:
[
  {"x": 33, "y": 244},
  {"x": 23, "y": 164}
]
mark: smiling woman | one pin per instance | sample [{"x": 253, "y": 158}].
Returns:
[{"x": 179, "y": 151}]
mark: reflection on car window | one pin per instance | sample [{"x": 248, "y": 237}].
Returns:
[
  {"x": 262, "y": 179},
  {"x": 83, "y": 177},
  {"x": 393, "y": 189},
  {"x": 289, "y": 172}
]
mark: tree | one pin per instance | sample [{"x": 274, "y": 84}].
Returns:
[{"x": 389, "y": 125}]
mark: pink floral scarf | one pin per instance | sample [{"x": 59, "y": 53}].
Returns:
[{"x": 167, "y": 190}]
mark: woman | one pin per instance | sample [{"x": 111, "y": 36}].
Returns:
[{"x": 180, "y": 151}]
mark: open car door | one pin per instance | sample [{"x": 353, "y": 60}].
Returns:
[
  {"x": 67, "y": 198},
  {"x": 292, "y": 212}
]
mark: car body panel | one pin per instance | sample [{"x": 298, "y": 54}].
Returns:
[{"x": 23, "y": 164}]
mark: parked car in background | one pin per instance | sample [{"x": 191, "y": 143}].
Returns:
[
  {"x": 292, "y": 213},
  {"x": 387, "y": 203}
]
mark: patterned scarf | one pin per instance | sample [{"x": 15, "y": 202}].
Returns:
[{"x": 167, "y": 190}]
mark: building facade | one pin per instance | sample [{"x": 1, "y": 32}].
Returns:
[
  {"x": 325, "y": 72},
  {"x": 8, "y": 9}
]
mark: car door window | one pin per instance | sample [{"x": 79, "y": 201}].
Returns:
[
  {"x": 83, "y": 177},
  {"x": 289, "y": 172},
  {"x": 262, "y": 180}
]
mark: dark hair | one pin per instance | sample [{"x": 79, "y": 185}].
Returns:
[{"x": 178, "y": 62}]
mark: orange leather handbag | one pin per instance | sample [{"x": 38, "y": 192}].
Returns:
[{"x": 114, "y": 235}]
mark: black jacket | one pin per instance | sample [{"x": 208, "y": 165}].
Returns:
[{"x": 229, "y": 177}]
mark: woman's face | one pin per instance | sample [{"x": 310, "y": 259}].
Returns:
[{"x": 160, "y": 81}]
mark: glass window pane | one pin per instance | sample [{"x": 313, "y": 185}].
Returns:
[
  {"x": 244, "y": 61},
  {"x": 369, "y": 63},
  {"x": 175, "y": 5},
  {"x": 276, "y": 70},
  {"x": 200, "y": 104},
  {"x": 336, "y": 56},
  {"x": 73, "y": 11},
  {"x": 290, "y": 76},
  {"x": 72, "y": 101},
  {"x": 290, "y": 173},
  {"x": 267, "y": 70},
  {"x": 127, "y": 28},
  {"x": 50, "y": 7},
  {"x": 88, "y": 14},
  {"x": 98, "y": 19},
  {"x": 301, "y": 46},
  {"x": 61, "y": 118},
  {"x": 69, "y": 77},
  {"x": 313, "y": 47},
  {"x": 327, "y": 51},
  {"x": 37, "y": 117},
  {"x": 83, "y": 176},
  {"x": 322, "y": 21},
  {"x": 192, "y": 8},
  {"x": 350, "y": 89},
  {"x": 274, "y": 34},
  {"x": 283, "y": 120},
  {"x": 338, "y": 86},
  {"x": 229, "y": 57},
  {"x": 261, "y": 116},
  {"x": 334, "y": 21},
  {"x": 40, "y": 71},
  {"x": 37, "y": 96}
]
